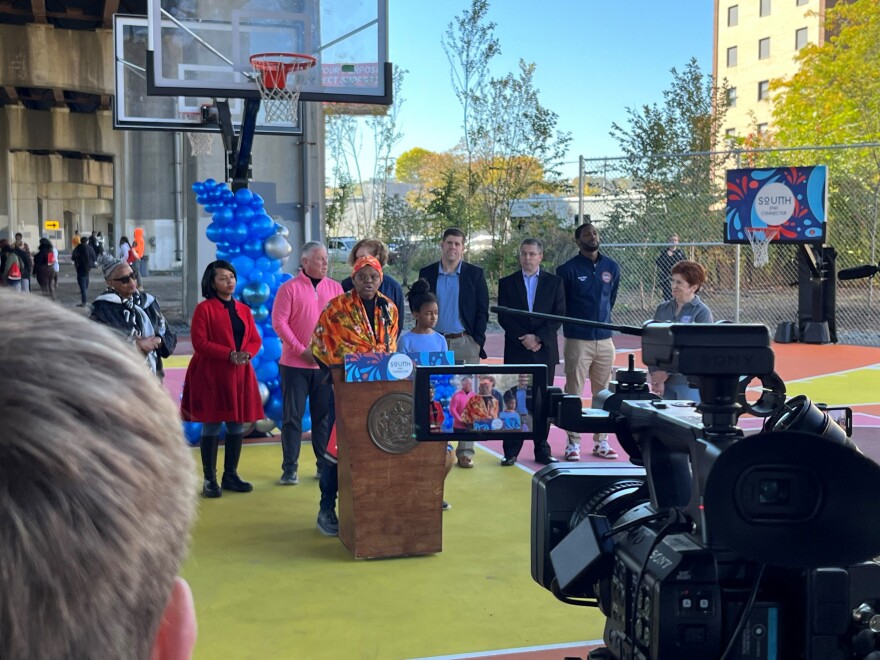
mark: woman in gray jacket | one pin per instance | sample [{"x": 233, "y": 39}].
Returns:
[{"x": 684, "y": 307}]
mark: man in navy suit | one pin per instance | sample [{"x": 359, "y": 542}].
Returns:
[
  {"x": 463, "y": 298},
  {"x": 529, "y": 340}
]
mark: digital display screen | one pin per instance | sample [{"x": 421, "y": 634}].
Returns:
[{"x": 480, "y": 402}]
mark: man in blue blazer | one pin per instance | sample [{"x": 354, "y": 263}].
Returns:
[
  {"x": 463, "y": 298},
  {"x": 529, "y": 340}
]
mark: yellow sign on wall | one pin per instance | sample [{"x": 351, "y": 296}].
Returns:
[{"x": 51, "y": 224}]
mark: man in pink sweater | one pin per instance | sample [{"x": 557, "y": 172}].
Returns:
[{"x": 298, "y": 304}]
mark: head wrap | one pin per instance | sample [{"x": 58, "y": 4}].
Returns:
[
  {"x": 109, "y": 266},
  {"x": 366, "y": 260}
]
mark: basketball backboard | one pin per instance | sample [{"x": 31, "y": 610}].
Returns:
[
  {"x": 135, "y": 108},
  {"x": 790, "y": 202},
  {"x": 204, "y": 47}
]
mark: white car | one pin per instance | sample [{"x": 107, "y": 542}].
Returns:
[{"x": 340, "y": 247}]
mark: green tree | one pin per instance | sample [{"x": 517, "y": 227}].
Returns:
[
  {"x": 345, "y": 137},
  {"x": 470, "y": 45},
  {"x": 834, "y": 99},
  {"x": 511, "y": 144},
  {"x": 669, "y": 156},
  {"x": 518, "y": 147},
  {"x": 424, "y": 168}
]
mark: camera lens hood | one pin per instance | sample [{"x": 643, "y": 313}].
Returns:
[{"x": 794, "y": 499}]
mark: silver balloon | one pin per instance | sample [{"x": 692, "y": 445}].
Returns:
[
  {"x": 284, "y": 261},
  {"x": 265, "y": 425},
  {"x": 248, "y": 428},
  {"x": 277, "y": 247},
  {"x": 255, "y": 293},
  {"x": 264, "y": 392},
  {"x": 281, "y": 230}
]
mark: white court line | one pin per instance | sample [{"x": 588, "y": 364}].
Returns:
[{"x": 525, "y": 649}]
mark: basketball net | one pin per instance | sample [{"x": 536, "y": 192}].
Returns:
[
  {"x": 200, "y": 143},
  {"x": 280, "y": 77},
  {"x": 760, "y": 239}
]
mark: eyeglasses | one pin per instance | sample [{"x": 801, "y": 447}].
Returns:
[
  {"x": 368, "y": 278},
  {"x": 125, "y": 280}
]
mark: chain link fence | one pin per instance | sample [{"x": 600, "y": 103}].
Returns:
[{"x": 684, "y": 195}]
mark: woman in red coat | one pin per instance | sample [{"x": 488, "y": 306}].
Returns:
[{"x": 220, "y": 383}]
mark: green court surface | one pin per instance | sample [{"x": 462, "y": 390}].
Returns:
[
  {"x": 860, "y": 386},
  {"x": 267, "y": 584}
]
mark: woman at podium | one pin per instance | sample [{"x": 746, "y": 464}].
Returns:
[{"x": 359, "y": 321}]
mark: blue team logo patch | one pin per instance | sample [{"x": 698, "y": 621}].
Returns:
[
  {"x": 606, "y": 277},
  {"x": 687, "y": 319}
]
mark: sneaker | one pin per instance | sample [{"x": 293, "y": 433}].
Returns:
[
  {"x": 328, "y": 523},
  {"x": 465, "y": 462},
  {"x": 603, "y": 450},
  {"x": 446, "y": 505},
  {"x": 572, "y": 455},
  {"x": 288, "y": 479}
]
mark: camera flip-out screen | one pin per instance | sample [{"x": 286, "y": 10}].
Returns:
[{"x": 480, "y": 402}]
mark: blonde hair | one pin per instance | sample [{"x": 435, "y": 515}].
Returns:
[{"x": 95, "y": 504}]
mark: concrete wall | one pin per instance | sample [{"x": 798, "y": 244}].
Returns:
[{"x": 141, "y": 178}]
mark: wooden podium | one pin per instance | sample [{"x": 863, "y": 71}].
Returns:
[{"x": 390, "y": 504}]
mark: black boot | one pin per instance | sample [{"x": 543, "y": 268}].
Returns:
[
  {"x": 208, "y": 445},
  {"x": 231, "y": 480}
]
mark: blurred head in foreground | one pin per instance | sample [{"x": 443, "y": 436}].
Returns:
[{"x": 97, "y": 495}]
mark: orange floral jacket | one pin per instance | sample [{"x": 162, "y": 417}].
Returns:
[{"x": 344, "y": 327}]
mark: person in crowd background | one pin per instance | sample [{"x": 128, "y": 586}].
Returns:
[
  {"x": 512, "y": 419},
  {"x": 533, "y": 289},
  {"x": 688, "y": 278},
  {"x": 23, "y": 251},
  {"x": 220, "y": 384},
  {"x": 590, "y": 280},
  {"x": 96, "y": 246},
  {"x": 458, "y": 401},
  {"x": 362, "y": 320},
  {"x": 389, "y": 287},
  {"x": 523, "y": 396},
  {"x": 96, "y": 505},
  {"x": 463, "y": 297},
  {"x": 298, "y": 304},
  {"x": 482, "y": 407},
  {"x": 668, "y": 257},
  {"x": 10, "y": 266},
  {"x": 135, "y": 315},
  {"x": 45, "y": 262},
  {"x": 129, "y": 254},
  {"x": 529, "y": 340},
  {"x": 75, "y": 240},
  {"x": 423, "y": 306},
  {"x": 84, "y": 259}
]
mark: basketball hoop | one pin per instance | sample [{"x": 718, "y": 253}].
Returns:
[
  {"x": 760, "y": 239},
  {"x": 201, "y": 142},
  {"x": 280, "y": 77}
]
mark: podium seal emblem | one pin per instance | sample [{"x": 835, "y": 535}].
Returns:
[{"x": 390, "y": 423}]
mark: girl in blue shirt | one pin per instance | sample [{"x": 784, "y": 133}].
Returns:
[{"x": 425, "y": 311}]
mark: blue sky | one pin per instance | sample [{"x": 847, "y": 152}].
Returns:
[{"x": 594, "y": 58}]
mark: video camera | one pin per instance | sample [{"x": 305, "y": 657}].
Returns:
[{"x": 712, "y": 543}]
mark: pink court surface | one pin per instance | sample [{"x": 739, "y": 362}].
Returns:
[{"x": 832, "y": 374}]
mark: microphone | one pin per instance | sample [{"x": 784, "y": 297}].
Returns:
[
  {"x": 857, "y": 272},
  {"x": 382, "y": 304}
]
